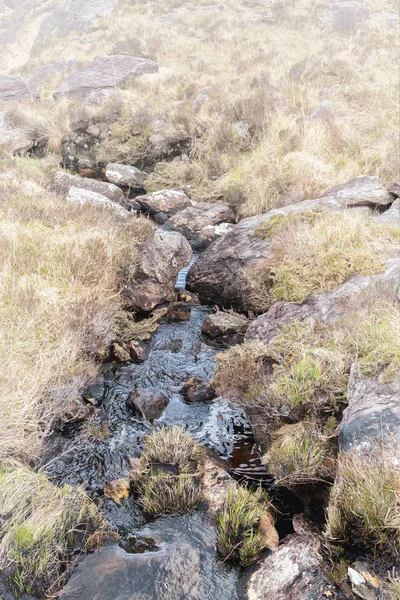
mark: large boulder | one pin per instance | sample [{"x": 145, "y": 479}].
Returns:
[
  {"x": 14, "y": 89},
  {"x": 62, "y": 182},
  {"x": 220, "y": 274},
  {"x": 81, "y": 197},
  {"x": 326, "y": 307},
  {"x": 202, "y": 223},
  {"x": 168, "y": 202},
  {"x": 104, "y": 72},
  {"x": 372, "y": 415},
  {"x": 125, "y": 175},
  {"x": 293, "y": 572},
  {"x": 160, "y": 261}
]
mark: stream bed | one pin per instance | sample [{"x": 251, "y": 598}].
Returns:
[{"x": 173, "y": 557}]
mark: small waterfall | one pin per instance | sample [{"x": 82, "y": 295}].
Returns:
[{"x": 181, "y": 281}]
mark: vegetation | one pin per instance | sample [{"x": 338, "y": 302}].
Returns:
[
  {"x": 238, "y": 523},
  {"x": 299, "y": 454},
  {"x": 365, "y": 501},
  {"x": 311, "y": 257},
  {"x": 168, "y": 479},
  {"x": 41, "y": 525}
]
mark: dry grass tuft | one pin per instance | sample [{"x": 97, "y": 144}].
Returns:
[
  {"x": 168, "y": 479},
  {"x": 40, "y": 526}
]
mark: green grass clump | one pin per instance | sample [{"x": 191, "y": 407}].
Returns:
[
  {"x": 375, "y": 340},
  {"x": 365, "y": 501},
  {"x": 239, "y": 535},
  {"x": 315, "y": 257},
  {"x": 168, "y": 479},
  {"x": 41, "y": 526},
  {"x": 299, "y": 454}
]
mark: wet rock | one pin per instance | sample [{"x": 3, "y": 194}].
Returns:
[
  {"x": 150, "y": 403},
  {"x": 185, "y": 568},
  {"x": 14, "y": 139},
  {"x": 63, "y": 65},
  {"x": 120, "y": 352},
  {"x": 177, "y": 312},
  {"x": 138, "y": 351},
  {"x": 81, "y": 197},
  {"x": 117, "y": 490},
  {"x": 293, "y": 572},
  {"x": 195, "y": 222},
  {"x": 216, "y": 482},
  {"x": 15, "y": 89},
  {"x": 211, "y": 233},
  {"x": 104, "y": 72},
  {"x": 195, "y": 390},
  {"x": 160, "y": 261},
  {"x": 372, "y": 415},
  {"x": 228, "y": 327},
  {"x": 125, "y": 175},
  {"x": 364, "y": 583},
  {"x": 219, "y": 276},
  {"x": 326, "y": 307},
  {"x": 93, "y": 394},
  {"x": 62, "y": 182},
  {"x": 164, "y": 201}
]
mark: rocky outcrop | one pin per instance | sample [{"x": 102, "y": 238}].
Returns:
[
  {"x": 14, "y": 139},
  {"x": 167, "y": 202},
  {"x": 125, "y": 175},
  {"x": 220, "y": 274},
  {"x": 150, "y": 403},
  {"x": 391, "y": 216},
  {"x": 160, "y": 261},
  {"x": 81, "y": 197},
  {"x": 293, "y": 572},
  {"x": 372, "y": 415},
  {"x": 62, "y": 182},
  {"x": 103, "y": 73},
  {"x": 15, "y": 89},
  {"x": 326, "y": 307},
  {"x": 202, "y": 223}
]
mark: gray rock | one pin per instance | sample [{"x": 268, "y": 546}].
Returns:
[
  {"x": 363, "y": 190},
  {"x": 62, "y": 182},
  {"x": 220, "y": 274},
  {"x": 344, "y": 17},
  {"x": 73, "y": 15},
  {"x": 324, "y": 112},
  {"x": 195, "y": 222},
  {"x": 98, "y": 97},
  {"x": 326, "y": 307},
  {"x": 148, "y": 402},
  {"x": 10, "y": 26},
  {"x": 225, "y": 326},
  {"x": 125, "y": 175},
  {"x": 293, "y": 572},
  {"x": 104, "y": 72},
  {"x": 372, "y": 415},
  {"x": 81, "y": 197},
  {"x": 391, "y": 216},
  {"x": 394, "y": 189},
  {"x": 14, "y": 89},
  {"x": 63, "y": 65},
  {"x": 14, "y": 139},
  {"x": 164, "y": 145},
  {"x": 165, "y": 201},
  {"x": 160, "y": 261}
]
